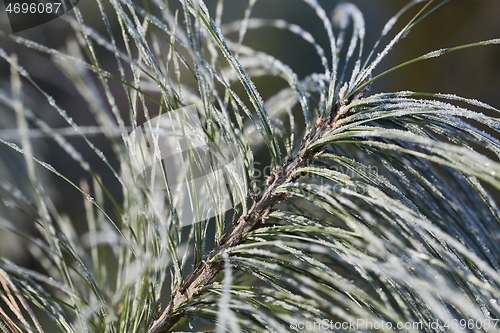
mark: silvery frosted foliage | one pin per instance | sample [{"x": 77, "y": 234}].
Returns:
[{"x": 377, "y": 213}]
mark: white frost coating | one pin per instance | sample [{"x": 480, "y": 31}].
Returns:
[
  {"x": 435, "y": 54},
  {"x": 256, "y": 23},
  {"x": 366, "y": 72},
  {"x": 359, "y": 22},
  {"x": 344, "y": 11},
  {"x": 270, "y": 63},
  {"x": 355, "y": 72},
  {"x": 340, "y": 18},
  {"x": 328, "y": 27},
  {"x": 388, "y": 26},
  {"x": 244, "y": 25},
  {"x": 226, "y": 319},
  {"x": 492, "y": 41}
]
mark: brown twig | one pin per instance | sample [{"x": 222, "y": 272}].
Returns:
[{"x": 206, "y": 270}]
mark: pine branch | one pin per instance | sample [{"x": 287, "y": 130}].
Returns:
[{"x": 206, "y": 270}]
